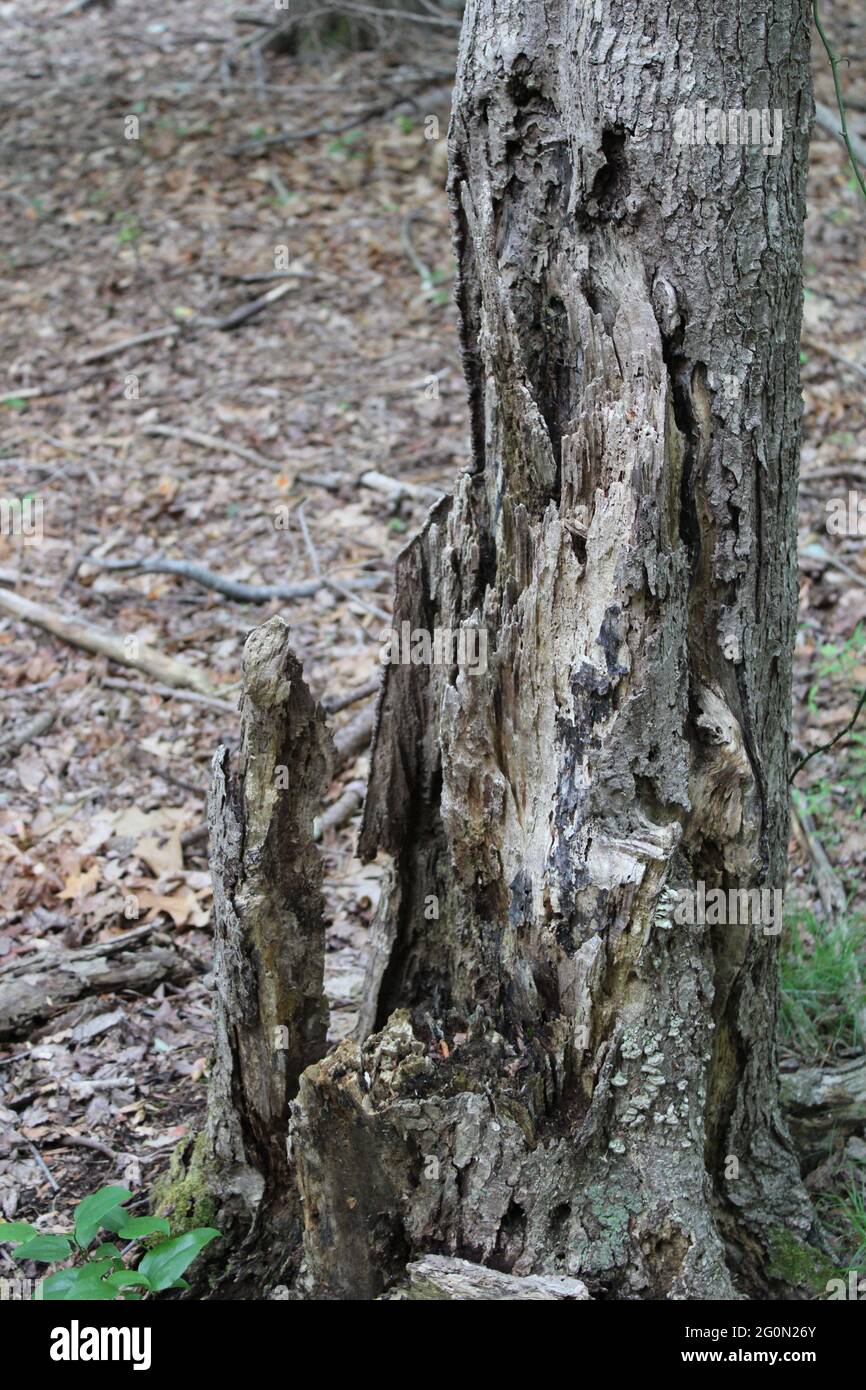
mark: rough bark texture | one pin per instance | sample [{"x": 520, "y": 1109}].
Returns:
[
  {"x": 561, "y": 1074},
  {"x": 269, "y": 939}
]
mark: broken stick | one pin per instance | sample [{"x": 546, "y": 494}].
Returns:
[{"x": 91, "y": 639}]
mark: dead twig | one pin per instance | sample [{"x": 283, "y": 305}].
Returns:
[
  {"x": 355, "y": 735},
  {"x": 334, "y": 703},
  {"x": 212, "y": 441},
  {"x": 825, "y": 351},
  {"x": 139, "y": 688},
  {"x": 397, "y": 487},
  {"x": 81, "y": 634},
  {"x": 39, "y": 724},
  {"x": 830, "y": 890},
  {"x": 248, "y": 311},
  {"x": 112, "y": 349},
  {"x": 340, "y": 811},
  {"x": 231, "y": 588}
]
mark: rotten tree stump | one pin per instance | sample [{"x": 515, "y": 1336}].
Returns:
[{"x": 269, "y": 932}]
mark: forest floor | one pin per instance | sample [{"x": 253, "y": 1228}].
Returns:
[{"x": 139, "y": 194}]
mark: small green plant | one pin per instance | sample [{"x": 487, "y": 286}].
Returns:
[
  {"x": 822, "y": 998},
  {"x": 128, "y": 231},
  {"x": 346, "y": 145},
  {"x": 104, "y": 1272},
  {"x": 851, "y": 1206}
]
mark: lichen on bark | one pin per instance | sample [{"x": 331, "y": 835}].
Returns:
[{"x": 550, "y": 1074}]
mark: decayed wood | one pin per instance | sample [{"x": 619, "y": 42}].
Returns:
[
  {"x": 34, "y": 990},
  {"x": 269, "y": 933},
  {"x": 560, "y": 1071},
  {"x": 91, "y": 639},
  {"x": 822, "y": 1103},
  {"x": 438, "y": 1277}
]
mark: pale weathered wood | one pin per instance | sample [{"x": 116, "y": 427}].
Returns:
[
  {"x": 561, "y": 1073},
  {"x": 82, "y": 634},
  {"x": 270, "y": 1010},
  {"x": 823, "y": 1104},
  {"x": 438, "y": 1277}
]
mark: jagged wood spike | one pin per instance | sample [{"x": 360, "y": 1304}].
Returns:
[{"x": 269, "y": 930}]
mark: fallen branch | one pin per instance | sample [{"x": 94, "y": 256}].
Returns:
[
  {"x": 248, "y": 311},
  {"x": 330, "y": 481},
  {"x": 334, "y": 703},
  {"x": 818, "y": 554},
  {"x": 231, "y": 588},
  {"x": 396, "y": 488},
  {"x": 212, "y": 441},
  {"x": 112, "y": 349},
  {"x": 230, "y": 320},
  {"x": 256, "y": 277},
  {"x": 224, "y": 706},
  {"x": 340, "y": 811},
  {"x": 291, "y": 137},
  {"x": 91, "y": 639},
  {"x": 11, "y": 742},
  {"x": 823, "y": 1102},
  {"x": 826, "y": 351},
  {"x": 355, "y": 735},
  {"x": 830, "y": 890},
  {"x": 34, "y": 990},
  {"x": 439, "y": 1277}
]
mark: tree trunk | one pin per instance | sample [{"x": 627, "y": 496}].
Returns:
[
  {"x": 561, "y": 1079},
  {"x": 270, "y": 1012}
]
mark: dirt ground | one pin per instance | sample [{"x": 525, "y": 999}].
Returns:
[{"x": 140, "y": 199}]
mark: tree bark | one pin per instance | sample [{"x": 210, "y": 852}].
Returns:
[
  {"x": 569, "y": 1072},
  {"x": 270, "y": 1012},
  {"x": 551, "y": 1076}
]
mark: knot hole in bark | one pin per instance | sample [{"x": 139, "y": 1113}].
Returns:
[{"x": 612, "y": 183}]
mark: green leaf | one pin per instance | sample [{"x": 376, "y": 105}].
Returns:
[
  {"x": 16, "y": 1231},
  {"x": 114, "y": 1219},
  {"x": 168, "y": 1261},
  {"x": 46, "y": 1249},
  {"x": 123, "y": 1277},
  {"x": 107, "y": 1251},
  {"x": 140, "y": 1226},
  {"x": 101, "y": 1267},
  {"x": 90, "y": 1213},
  {"x": 16, "y": 402},
  {"x": 74, "y": 1285}
]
